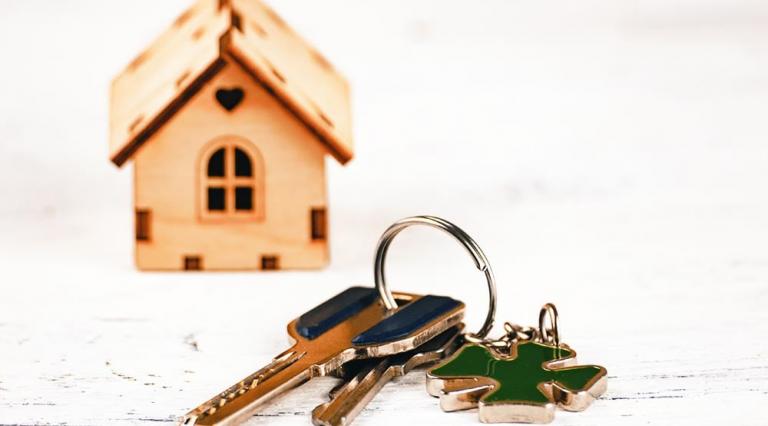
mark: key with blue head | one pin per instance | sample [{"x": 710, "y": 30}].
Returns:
[{"x": 352, "y": 325}]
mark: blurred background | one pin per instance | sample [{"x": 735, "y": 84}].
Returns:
[{"x": 609, "y": 156}]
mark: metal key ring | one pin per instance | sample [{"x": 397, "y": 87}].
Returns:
[
  {"x": 481, "y": 262},
  {"x": 551, "y": 334}
]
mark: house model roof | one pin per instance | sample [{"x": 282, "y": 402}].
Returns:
[{"x": 160, "y": 81}]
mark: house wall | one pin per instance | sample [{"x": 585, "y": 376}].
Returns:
[{"x": 168, "y": 166}]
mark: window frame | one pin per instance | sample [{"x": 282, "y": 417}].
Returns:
[{"x": 230, "y": 181}]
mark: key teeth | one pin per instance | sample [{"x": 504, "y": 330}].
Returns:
[
  {"x": 292, "y": 368},
  {"x": 187, "y": 420}
]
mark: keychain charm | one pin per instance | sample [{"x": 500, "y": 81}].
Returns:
[
  {"x": 368, "y": 336},
  {"x": 518, "y": 378}
]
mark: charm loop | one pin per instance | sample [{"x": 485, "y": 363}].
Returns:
[
  {"x": 551, "y": 334},
  {"x": 481, "y": 262}
]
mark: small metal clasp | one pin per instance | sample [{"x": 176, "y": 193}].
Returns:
[{"x": 549, "y": 335}]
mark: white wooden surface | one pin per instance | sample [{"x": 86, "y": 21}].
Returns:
[{"x": 609, "y": 156}]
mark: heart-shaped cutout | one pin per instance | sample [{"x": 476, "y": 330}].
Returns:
[{"x": 230, "y": 98}]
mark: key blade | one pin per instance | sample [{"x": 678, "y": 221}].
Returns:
[
  {"x": 353, "y": 324},
  {"x": 323, "y": 342},
  {"x": 349, "y": 399},
  {"x": 239, "y": 401}
]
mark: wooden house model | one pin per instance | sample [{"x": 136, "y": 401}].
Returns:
[{"x": 228, "y": 117}]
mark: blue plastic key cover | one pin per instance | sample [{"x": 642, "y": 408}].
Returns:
[
  {"x": 407, "y": 320},
  {"x": 334, "y": 311}
]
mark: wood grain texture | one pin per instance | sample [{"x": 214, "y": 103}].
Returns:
[
  {"x": 171, "y": 180},
  {"x": 608, "y": 156},
  {"x": 261, "y": 91},
  {"x": 162, "y": 72},
  {"x": 158, "y": 83}
]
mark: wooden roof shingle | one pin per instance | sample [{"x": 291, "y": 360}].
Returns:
[{"x": 160, "y": 81}]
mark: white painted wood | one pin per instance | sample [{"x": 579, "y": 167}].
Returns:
[{"x": 609, "y": 156}]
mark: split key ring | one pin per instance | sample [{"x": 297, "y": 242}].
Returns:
[{"x": 481, "y": 262}]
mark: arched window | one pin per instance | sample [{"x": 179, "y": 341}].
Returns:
[{"x": 232, "y": 181}]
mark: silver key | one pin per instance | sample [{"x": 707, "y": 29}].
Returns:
[
  {"x": 353, "y": 324},
  {"x": 363, "y": 379}
]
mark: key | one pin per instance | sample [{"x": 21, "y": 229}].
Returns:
[
  {"x": 353, "y": 324},
  {"x": 363, "y": 379}
]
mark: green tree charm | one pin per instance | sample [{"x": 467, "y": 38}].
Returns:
[{"x": 524, "y": 386}]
